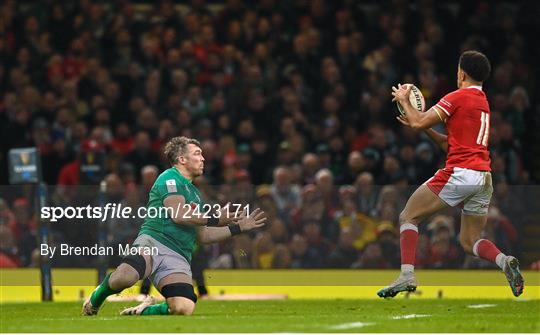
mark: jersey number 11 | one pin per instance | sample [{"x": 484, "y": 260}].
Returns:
[{"x": 484, "y": 130}]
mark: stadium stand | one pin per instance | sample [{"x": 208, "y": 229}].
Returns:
[{"x": 290, "y": 100}]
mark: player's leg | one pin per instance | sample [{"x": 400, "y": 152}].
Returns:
[
  {"x": 473, "y": 222},
  {"x": 422, "y": 203},
  {"x": 172, "y": 277},
  {"x": 177, "y": 288},
  {"x": 132, "y": 269},
  {"x": 473, "y": 243}
]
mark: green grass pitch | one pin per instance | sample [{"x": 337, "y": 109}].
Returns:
[{"x": 399, "y": 315}]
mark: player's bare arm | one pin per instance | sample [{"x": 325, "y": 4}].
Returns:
[
  {"x": 416, "y": 119},
  {"x": 180, "y": 213},
  {"x": 255, "y": 220}
]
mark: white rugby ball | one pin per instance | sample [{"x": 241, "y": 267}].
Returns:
[{"x": 416, "y": 98}]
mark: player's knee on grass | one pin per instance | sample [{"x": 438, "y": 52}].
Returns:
[
  {"x": 180, "y": 306},
  {"x": 181, "y": 298}
]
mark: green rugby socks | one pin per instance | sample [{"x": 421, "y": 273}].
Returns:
[
  {"x": 157, "y": 309},
  {"x": 102, "y": 292}
]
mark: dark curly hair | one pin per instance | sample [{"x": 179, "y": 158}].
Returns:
[{"x": 475, "y": 64}]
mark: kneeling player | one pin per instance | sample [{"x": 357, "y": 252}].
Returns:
[{"x": 174, "y": 237}]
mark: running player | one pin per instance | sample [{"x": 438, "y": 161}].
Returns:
[
  {"x": 465, "y": 181},
  {"x": 174, "y": 236}
]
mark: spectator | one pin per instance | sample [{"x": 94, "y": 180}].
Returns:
[
  {"x": 310, "y": 166},
  {"x": 362, "y": 227},
  {"x": 149, "y": 174},
  {"x": 282, "y": 257},
  {"x": 23, "y": 228},
  {"x": 318, "y": 246},
  {"x": 264, "y": 251},
  {"x": 443, "y": 249},
  {"x": 266, "y": 202},
  {"x": 367, "y": 193},
  {"x": 285, "y": 194},
  {"x": 302, "y": 256},
  {"x": 345, "y": 253},
  {"x": 8, "y": 249},
  {"x": 278, "y": 232},
  {"x": 355, "y": 166},
  {"x": 388, "y": 240},
  {"x": 371, "y": 258},
  {"x": 142, "y": 154}
]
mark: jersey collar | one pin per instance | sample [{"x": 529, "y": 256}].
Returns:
[
  {"x": 478, "y": 87},
  {"x": 181, "y": 175}
]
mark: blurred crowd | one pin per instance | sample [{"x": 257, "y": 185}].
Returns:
[
  {"x": 318, "y": 225},
  {"x": 290, "y": 100}
]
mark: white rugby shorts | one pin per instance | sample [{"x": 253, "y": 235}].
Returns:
[{"x": 469, "y": 189}]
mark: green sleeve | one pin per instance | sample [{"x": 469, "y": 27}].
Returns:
[{"x": 170, "y": 186}]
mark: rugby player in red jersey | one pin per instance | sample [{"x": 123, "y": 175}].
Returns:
[{"x": 465, "y": 181}]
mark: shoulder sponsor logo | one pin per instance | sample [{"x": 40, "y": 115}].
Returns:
[{"x": 171, "y": 185}]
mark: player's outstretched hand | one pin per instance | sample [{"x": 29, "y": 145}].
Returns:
[
  {"x": 226, "y": 216},
  {"x": 254, "y": 220},
  {"x": 401, "y": 93}
]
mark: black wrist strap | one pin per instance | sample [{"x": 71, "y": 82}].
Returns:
[
  {"x": 234, "y": 229},
  {"x": 212, "y": 221}
]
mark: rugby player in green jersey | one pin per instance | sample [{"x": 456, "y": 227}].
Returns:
[{"x": 174, "y": 236}]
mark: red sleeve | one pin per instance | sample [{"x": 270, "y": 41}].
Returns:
[{"x": 448, "y": 104}]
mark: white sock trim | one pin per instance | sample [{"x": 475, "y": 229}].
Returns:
[
  {"x": 407, "y": 268},
  {"x": 407, "y": 226},
  {"x": 475, "y": 247},
  {"x": 499, "y": 260}
]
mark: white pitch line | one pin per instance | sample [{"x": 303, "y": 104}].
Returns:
[
  {"x": 101, "y": 318},
  {"x": 351, "y": 325},
  {"x": 481, "y": 306},
  {"x": 410, "y": 316}
]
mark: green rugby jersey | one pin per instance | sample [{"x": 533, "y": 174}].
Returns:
[{"x": 181, "y": 238}]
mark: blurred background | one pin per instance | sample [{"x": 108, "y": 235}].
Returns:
[{"x": 291, "y": 102}]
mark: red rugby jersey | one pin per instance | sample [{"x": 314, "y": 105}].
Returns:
[{"x": 467, "y": 122}]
